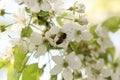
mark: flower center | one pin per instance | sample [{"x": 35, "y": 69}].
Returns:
[
  {"x": 39, "y": 1},
  {"x": 65, "y": 64},
  {"x": 45, "y": 41},
  {"x": 78, "y": 32},
  {"x": 53, "y": 36}
]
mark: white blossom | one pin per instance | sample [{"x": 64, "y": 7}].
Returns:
[
  {"x": 102, "y": 32},
  {"x": 50, "y": 35},
  {"x": 69, "y": 30},
  {"x": 21, "y": 20},
  {"x": 76, "y": 32},
  {"x": 82, "y": 51},
  {"x": 21, "y": 17},
  {"x": 71, "y": 61},
  {"x": 58, "y": 7},
  {"x": 36, "y": 39},
  {"x": 41, "y": 50},
  {"x": 105, "y": 43},
  {"x": 79, "y": 7},
  {"x": 87, "y": 36},
  {"x": 36, "y": 6}
]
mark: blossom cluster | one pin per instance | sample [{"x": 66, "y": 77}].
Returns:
[{"x": 86, "y": 51}]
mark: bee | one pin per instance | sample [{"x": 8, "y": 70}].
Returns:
[{"x": 61, "y": 38}]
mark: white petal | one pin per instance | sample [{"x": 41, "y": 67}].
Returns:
[
  {"x": 106, "y": 72},
  {"x": 54, "y": 29},
  {"x": 31, "y": 47},
  {"x": 45, "y": 6},
  {"x": 57, "y": 69},
  {"x": 115, "y": 77},
  {"x": 35, "y": 8},
  {"x": 107, "y": 43},
  {"x": 100, "y": 78},
  {"x": 41, "y": 50},
  {"x": 69, "y": 30},
  {"x": 30, "y": 3},
  {"x": 23, "y": 45},
  {"x": 67, "y": 74},
  {"x": 36, "y": 38},
  {"x": 102, "y": 32},
  {"x": 60, "y": 7},
  {"x": 73, "y": 61},
  {"x": 20, "y": 16},
  {"x": 86, "y": 36},
  {"x": 57, "y": 59},
  {"x": 99, "y": 64}
]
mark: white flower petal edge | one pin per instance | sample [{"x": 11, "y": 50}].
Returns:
[
  {"x": 86, "y": 36},
  {"x": 106, "y": 72},
  {"x": 36, "y": 38},
  {"x": 41, "y": 50},
  {"x": 74, "y": 61},
  {"x": 57, "y": 59},
  {"x": 115, "y": 77},
  {"x": 67, "y": 74},
  {"x": 45, "y": 6},
  {"x": 99, "y": 64},
  {"x": 57, "y": 69}
]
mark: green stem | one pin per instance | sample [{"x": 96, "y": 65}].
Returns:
[
  {"x": 65, "y": 18},
  {"x": 9, "y": 24},
  {"x": 24, "y": 62},
  {"x": 29, "y": 21}
]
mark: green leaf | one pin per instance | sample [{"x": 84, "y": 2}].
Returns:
[
  {"x": 2, "y": 28},
  {"x": 111, "y": 51},
  {"x": 77, "y": 75},
  {"x": 92, "y": 29},
  {"x": 27, "y": 10},
  {"x": 42, "y": 17},
  {"x": 71, "y": 8},
  {"x": 21, "y": 3},
  {"x": 2, "y": 12},
  {"x": 112, "y": 24},
  {"x": 63, "y": 15},
  {"x": 43, "y": 13},
  {"x": 59, "y": 19},
  {"x": 105, "y": 57},
  {"x": 75, "y": 47},
  {"x": 26, "y": 32},
  {"x": 53, "y": 77},
  {"x": 79, "y": 21},
  {"x": 115, "y": 63},
  {"x": 20, "y": 58},
  {"x": 69, "y": 49},
  {"x": 31, "y": 72},
  {"x": 108, "y": 78},
  {"x": 41, "y": 21},
  {"x": 80, "y": 48},
  {"x": 4, "y": 63},
  {"x": 12, "y": 73}
]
